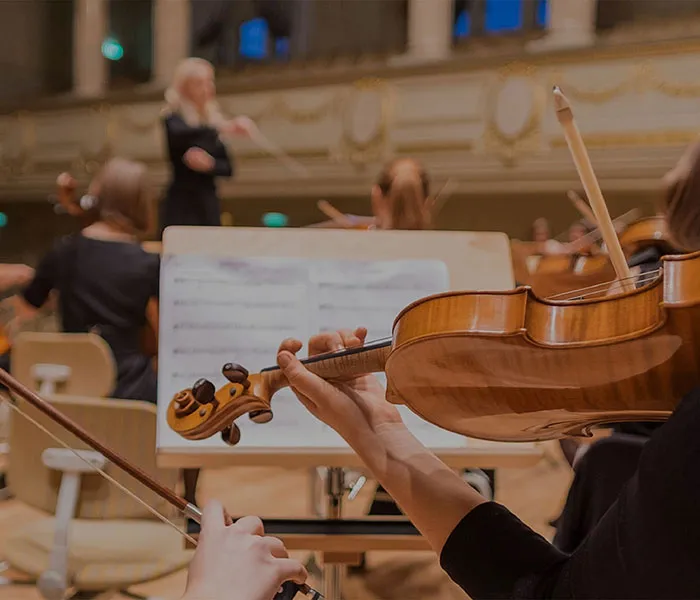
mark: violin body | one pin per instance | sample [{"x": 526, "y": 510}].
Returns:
[
  {"x": 554, "y": 274},
  {"x": 644, "y": 232},
  {"x": 505, "y": 366}
]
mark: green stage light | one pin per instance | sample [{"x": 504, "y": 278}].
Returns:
[{"x": 275, "y": 219}]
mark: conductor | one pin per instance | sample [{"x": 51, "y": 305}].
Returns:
[{"x": 194, "y": 126}]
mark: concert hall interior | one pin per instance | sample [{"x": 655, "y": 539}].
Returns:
[{"x": 227, "y": 225}]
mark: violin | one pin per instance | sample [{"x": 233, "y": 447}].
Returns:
[
  {"x": 648, "y": 231},
  {"x": 503, "y": 366}
]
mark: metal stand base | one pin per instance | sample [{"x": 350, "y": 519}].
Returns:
[{"x": 334, "y": 574}]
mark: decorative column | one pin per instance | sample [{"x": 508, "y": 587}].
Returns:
[
  {"x": 571, "y": 24},
  {"x": 172, "y": 37},
  {"x": 430, "y": 26},
  {"x": 89, "y": 30}
]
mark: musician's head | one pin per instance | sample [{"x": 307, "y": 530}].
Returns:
[
  {"x": 540, "y": 230},
  {"x": 123, "y": 196},
  {"x": 682, "y": 200},
  {"x": 192, "y": 93},
  {"x": 401, "y": 196},
  {"x": 578, "y": 230}
]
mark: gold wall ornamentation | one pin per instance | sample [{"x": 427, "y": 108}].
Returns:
[
  {"x": 375, "y": 146},
  {"x": 22, "y": 163},
  {"x": 279, "y": 108},
  {"x": 644, "y": 77},
  {"x": 507, "y": 143}
]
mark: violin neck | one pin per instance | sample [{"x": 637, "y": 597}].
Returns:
[{"x": 337, "y": 366}]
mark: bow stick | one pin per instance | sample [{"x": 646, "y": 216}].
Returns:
[
  {"x": 334, "y": 214},
  {"x": 565, "y": 116},
  {"x": 582, "y": 207},
  {"x": 264, "y": 142},
  {"x": 187, "y": 508}
]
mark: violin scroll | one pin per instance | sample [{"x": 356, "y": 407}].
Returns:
[{"x": 202, "y": 411}]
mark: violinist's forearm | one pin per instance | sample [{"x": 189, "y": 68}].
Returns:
[{"x": 432, "y": 495}]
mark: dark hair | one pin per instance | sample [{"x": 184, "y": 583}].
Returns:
[
  {"x": 683, "y": 201},
  {"x": 123, "y": 195},
  {"x": 405, "y": 184}
]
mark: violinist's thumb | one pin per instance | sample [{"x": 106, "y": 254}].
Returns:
[{"x": 302, "y": 381}]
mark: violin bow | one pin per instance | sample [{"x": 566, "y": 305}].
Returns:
[
  {"x": 582, "y": 207},
  {"x": 264, "y": 142},
  {"x": 334, "y": 214},
  {"x": 187, "y": 508},
  {"x": 582, "y": 161}
]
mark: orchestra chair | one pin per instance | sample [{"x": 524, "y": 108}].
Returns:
[
  {"x": 93, "y": 538},
  {"x": 79, "y": 364}
]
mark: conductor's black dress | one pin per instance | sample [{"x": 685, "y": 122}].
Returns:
[{"x": 191, "y": 198}]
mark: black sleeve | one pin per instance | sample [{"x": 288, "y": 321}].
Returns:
[
  {"x": 491, "y": 551},
  {"x": 45, "y": 277},
  {"x": 644, "y": 547},
  {"x": 222, "y": 166},
  {"x": 182, "y": 137},
  {"x": 154, "y": 275}
]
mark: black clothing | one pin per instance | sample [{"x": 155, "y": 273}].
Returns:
[
  {"x": 646, "y": 545},
  {"x": 600, "y": 475},
  {"x": 191, "y": 198},
  {"x": 104, "y": 287}
]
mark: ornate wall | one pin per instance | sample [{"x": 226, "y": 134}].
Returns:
[{"x": 491, "y": 129}]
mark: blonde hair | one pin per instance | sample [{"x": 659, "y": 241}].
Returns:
[
  {"x": 177, "y": 103},
  {"x": 404, "y": 183},
  {"x": 123, "y": 195}
]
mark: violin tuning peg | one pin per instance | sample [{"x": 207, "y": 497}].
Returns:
[
  {"x": 235, "y": 373},
  {"x": 204, "y": 391},
  {"x": 185, "y": 403},
  {"x": 260, "y": 416},
  {"x": 231, "y": 435}
]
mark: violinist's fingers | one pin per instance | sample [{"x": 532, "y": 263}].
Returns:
[
  {"x": 305, "y": 384},
  {"x": 329, "y": 341},
  {"x": 213, "y": 518},
  {"x": 276, "y": 547},
  {"x": 290, "y": 345},
  {"x": 251, "y": 525},
  {"x": 354, "y": 338},
  {"x": 291, "y": 570}
]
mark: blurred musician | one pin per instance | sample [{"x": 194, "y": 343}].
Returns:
[
  {"x": 541, "y": 233},
  {"x": 194, "y": 126},
  {"x": 401, "y": 196},
  {"x": 107, "y": 284},
  {"x": 645, "y": 544}
]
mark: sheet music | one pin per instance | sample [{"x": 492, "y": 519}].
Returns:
[{"x": 215, "y": 311}]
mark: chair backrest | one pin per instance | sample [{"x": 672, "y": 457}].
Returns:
[
  {"x": 87, "y": 357},
  {"x": 126, "y": 426}
]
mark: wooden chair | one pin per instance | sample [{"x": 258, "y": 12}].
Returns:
[
  {"x": 93, "y": 537},
  {"x": 79, "y": 364}
]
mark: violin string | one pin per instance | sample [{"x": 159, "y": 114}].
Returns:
[
  {"x": 102, "y": 472},
  {"x": 592, "y": 289}
]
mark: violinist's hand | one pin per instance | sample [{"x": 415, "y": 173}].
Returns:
[
  {"x": 12, "y": 275},
  {"x": 199, "y": 160},
  {"x": 241, "y": 126},
  {"x": 66, "y": 180},
  {"x": 237, "y": 562},
  {"x": 352, "y": 408}
]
